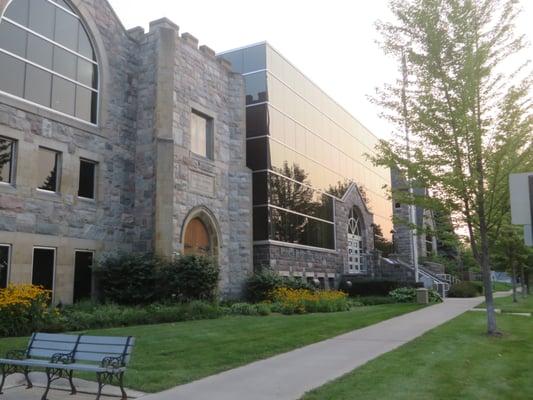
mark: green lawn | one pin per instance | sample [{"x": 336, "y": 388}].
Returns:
[
  {"x": 167, "y": 355},
  {"x": 454, "y": 361},
  {"x": 506, "y": 304},
  {"x": 501, "y": 286}
]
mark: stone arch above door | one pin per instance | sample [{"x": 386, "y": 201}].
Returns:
[{"x": 200, "y": 233}]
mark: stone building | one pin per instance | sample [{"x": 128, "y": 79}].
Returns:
[{"x": 115, "y": 139}]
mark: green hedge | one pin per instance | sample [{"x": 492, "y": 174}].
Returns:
[
  {"x": 466, "y": 289},
  {"x": 373, "y": 288}
]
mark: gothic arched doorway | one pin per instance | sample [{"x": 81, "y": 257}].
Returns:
[
  {"x": 196, "y": 240},
  {"x": 199, "y": 234},
  {"x": 355, "y": 243}
]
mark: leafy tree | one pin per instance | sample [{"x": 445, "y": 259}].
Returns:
[
  {"x": 454, "y": 101},
  {"x": 510, "y": 254},
  {"x": 380, "y": 243}
]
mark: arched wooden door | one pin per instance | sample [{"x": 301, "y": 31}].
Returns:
[{"x": 196, "y": 238}]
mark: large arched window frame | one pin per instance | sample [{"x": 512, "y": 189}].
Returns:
[{"x": 47, "y": 58}]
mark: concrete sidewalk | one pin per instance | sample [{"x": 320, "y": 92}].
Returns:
[{"x": 288, "y": 376}]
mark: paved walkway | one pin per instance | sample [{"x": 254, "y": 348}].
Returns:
[{"x": 288, "y": 376}]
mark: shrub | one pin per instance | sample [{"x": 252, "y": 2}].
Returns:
[
  {"x": 374, "y": 288},
  {"x": 189, "y": 278},
  {"x": 263, "y": 309},
  {"x": 300, "y": 301},
  {"x": 375, "y": 300},
  {"x": 261, "y": 284},
  {"x": 128, "y": 278},
  {"x": 403, "y": 295},
  {"x": 243, "y": 309},
  {"x": 24, "y": 309},
  {"x": 465, "y": 289}
]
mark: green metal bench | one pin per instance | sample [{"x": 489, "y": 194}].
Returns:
[{"x": 60, "y": 355}]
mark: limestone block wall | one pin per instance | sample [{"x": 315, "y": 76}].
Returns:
[{"x": 29, "y": 217}]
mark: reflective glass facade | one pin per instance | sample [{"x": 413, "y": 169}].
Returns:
[
  {"x": 304, "y": 150},
  {"x": 46, "y": 57}
]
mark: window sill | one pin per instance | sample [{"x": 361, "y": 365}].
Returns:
[
  {"x": 7, "y": 187},
  {"x": 87, "y": 201},
  {"x": 47, "y": 195}
]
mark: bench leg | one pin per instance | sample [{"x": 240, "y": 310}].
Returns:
[
  {"x": 3, "y": 378},
  {"x": 48, "y": 381},
  {"x": 29, "y": 385},
  {"x": 121, "y": 384},
  {"x": 100, "y": 385},
  {"x": 72, "y": 387}
]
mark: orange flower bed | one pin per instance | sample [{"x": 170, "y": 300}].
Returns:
[{"x": 301, "y": 301}]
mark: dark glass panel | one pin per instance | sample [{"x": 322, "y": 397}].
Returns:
[
  {"x": 43, "y": 268},
  {"x": 4, "y": 265},
  {"x": 47, "y": 170},
  {"x": 260, "y": 188},
  {"x": 63, "y": 4},
  {"x": 13, "y": 39},
  {"x": 256, "y": 121},
  {"x": 87, "y": 179},
  {"x": 63, "y": 95},
  {"x": 65, "y": 62},
  {"x": 38, "y": 85},
  {"x": 42, "y": 17},
  {"x": 94, "y": 107},
  {"x": 260, "y": 223},
  {"x": 40, "y": 51},
  {"x": 293, "y": 228},
  {"x": 18, "y": 11},
  {"x": 12, "y": 75},
  {"x": 254, "y": 58},
  {"x": 286, "y": 193},
  {"x": 236, "y": 60},
  {"x": 87, "y": 73},
  {"x": 256, "y": 88},
  {"x": 6, "y": 159},
  {"x": 83, "y": 103},
  {"x": 257, "y": 154},
  {"x": 83, "y": 275},
  {"x": 84, "y": 44},
  {"x": 66, "y": 29}
]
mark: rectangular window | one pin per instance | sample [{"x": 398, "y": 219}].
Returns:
[
  {"x": 87, "y": 182},
  {"x": 83, "y": 275},
  {"x": 7, "y": 156},
  {"x": 4, "y": 264},
  {"x": 44, "y": 260},
  {"x": 201, "y": 134},
  {"x": 48, "y": 169}
]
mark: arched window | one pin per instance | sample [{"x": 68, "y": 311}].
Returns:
[{"x": 46, "y": 57}]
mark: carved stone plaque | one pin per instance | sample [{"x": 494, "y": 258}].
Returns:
[{"x": 201, "y": 183}]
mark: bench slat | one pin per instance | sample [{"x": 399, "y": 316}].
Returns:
[
  {"x": 103, "y": 348},
  {"x": 97, "y": 357},
  {"x": 43, "y": 353},
  {"x": 56, "y": 337},
  {"x": 116, "y": 340},
  {"x": 49, "y": 345}
]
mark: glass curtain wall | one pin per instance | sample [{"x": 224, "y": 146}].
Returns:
[{"x": 304, "y": 150}]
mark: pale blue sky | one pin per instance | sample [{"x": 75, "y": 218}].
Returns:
[{"x": 332, "y": 42}]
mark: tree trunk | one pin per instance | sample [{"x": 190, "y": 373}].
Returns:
[
  {"x": 487, "y": 281},
  {"x": 513, "y": 281},
  {"x": 523, "y": 281}
]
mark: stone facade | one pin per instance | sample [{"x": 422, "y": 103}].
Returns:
[
  {"x": 149, "y": 183},
  {"x": 426, "y": 244}
]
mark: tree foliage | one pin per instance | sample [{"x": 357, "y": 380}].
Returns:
[{"x": 469, "y": 120}]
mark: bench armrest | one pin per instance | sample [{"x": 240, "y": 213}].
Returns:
[
  {"x": 112, "y": 362},
  {"x": 17, "y": 354},
  {"x": 62, "y": 358}
]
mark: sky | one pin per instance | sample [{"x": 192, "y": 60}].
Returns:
[{"x": 332, "y": 42}]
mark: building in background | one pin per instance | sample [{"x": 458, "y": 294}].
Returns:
[{"x": 316, "y": 195}]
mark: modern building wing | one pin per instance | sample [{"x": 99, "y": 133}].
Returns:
[{"x": 305, "y": 151}]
